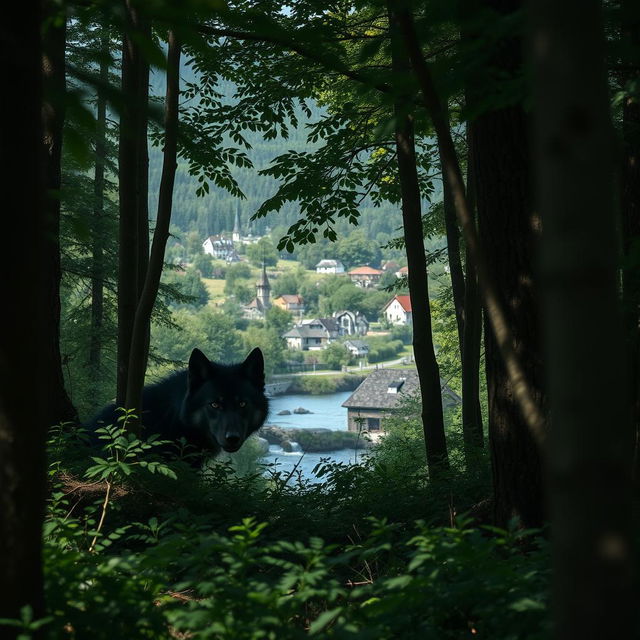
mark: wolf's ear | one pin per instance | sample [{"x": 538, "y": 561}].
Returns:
[
  {"x": 254, "y": 366},
  {"x": 199, "y": 367}
]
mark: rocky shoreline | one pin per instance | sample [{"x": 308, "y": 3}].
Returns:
[{"x": 313, "y": 440}]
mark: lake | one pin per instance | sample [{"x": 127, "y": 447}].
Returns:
[{"x": 327, "y": 412}]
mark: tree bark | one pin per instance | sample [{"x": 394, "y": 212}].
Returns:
[
  {"x": 472, "y": 427},
  {"x": 630, "y": 202},
  {"x": 453, "y": 253},
  {"x": 53, "y": 113},
  {"x": 591, "y": 443},
  {"x": 131, "y": 236},
  {"x": 517, "y": 488},
  {"x": 426, "y": 364},
  {"x": 509, "y": 231},
  {"x": 97, "y": 246},
  {"x": 27, "y": 321},
  {"x": 140, "y": 342}
]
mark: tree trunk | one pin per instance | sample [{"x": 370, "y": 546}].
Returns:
[
  {"x": 591, "y": 443},
  {"x": 508, "y": 230},
  {"x": 131, "y": 235},
  {"x": 515, "y": 459},
  {"x": 141, "y": 328},
  {"x": 54, "y": 83},
  {"x": 27, "y": 322},
  {"x": 630, "y": 203},
  {"x": 472, "y": 428},
  {"x": 426, "y": 364},
  {"x": 453, "y": 254},
  {"x": 97, "y": 247}
]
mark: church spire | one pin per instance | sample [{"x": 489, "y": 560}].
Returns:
[
  {"x": 235, "y": 236},
  {"x": 263, "y": 288}
]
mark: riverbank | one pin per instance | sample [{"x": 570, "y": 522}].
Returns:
[
  {"x": 313, "y": 440},
  {"x": 321, "y": 385}
]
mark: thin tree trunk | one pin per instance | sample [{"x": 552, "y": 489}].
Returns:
[
  {"x": 516, "y": 491},
  {"x": 472, "y": 431},
  {"x": 591, "y": 443},
  {"x": 53, "y": 113},
  {"x": 97, "y": 248},
  {"x": 142, "y": 324},
  {"x": 426, "y": 364},
  {"x": 630, "y": 202},
  {"x": 129, "y": 172},
  {"x": 27, "y": 320},
  {"x": 453, "y": 253}
]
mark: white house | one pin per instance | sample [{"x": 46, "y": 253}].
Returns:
[
  {"x": 220, "y": 248},
  {"x": 357, "y": 348},
  {"x": 351, "y": 323},
  {"x": 312, "y": 335},
  {"x": 365, "y": 276},
  {"x": 398, "y": 310},
  {"x": 330, "y": 266}
]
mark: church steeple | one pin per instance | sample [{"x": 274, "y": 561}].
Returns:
[
  {"x": 263, "y": 288},
  {"x": 235, "y": 236}
]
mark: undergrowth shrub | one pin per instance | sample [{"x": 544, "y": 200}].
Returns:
[{"x": 139, "y": 547}]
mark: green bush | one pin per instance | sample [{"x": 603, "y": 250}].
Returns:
[
  {"x": 313, "y": 441},
  {"x": 137, "y": 547}
]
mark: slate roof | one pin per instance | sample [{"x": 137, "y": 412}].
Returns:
[
  {"x": 372, "y": 392},
  {"x": 330, "y": 324},
  {"x": 358, "y": 344},
  {"x": 305, "y": 332}
]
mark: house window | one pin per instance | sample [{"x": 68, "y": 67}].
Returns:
[{"x": 373, "y": 424}]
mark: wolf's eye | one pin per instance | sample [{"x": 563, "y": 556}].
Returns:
[
  {"x": 215, "y": 405},
  {"x": 242, "y": 403}
]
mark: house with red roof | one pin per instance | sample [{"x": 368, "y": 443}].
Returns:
[
  {"x": 365, "y": 276},
  {"x": 398, "y": 310}
]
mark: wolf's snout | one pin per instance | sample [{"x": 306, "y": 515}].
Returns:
[{"x": 232, "y": 441}]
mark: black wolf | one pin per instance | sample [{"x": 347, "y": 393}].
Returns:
[{"x": 212, "y": 406}]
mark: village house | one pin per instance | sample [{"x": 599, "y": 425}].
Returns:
[
  {"x": 290, "y": 302},
  {"x": 402, "y": 272},
  {"x": 351, "y": 323},
  {"x": 380, "y": 393},
  {"x": 389, "y": 266},
  {"x": 357, "y": 348},
  {"x": 330, "y": 266},
  {"x": 365, "y": 276},
  {"x": 312, "y": 335},
  {"x": 398, "y": 310},
  {"x": 220, "y": 248}
]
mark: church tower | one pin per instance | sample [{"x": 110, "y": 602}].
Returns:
[
  {"x": 235, "y": 236},
  {"x": 263, "y": 289}
]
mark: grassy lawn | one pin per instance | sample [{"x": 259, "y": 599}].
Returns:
[
  {"x": 214, "y": 287},
  {"x": 287, "y": 265}
]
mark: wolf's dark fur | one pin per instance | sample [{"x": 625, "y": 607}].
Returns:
[{"x": 212, "y": 406}]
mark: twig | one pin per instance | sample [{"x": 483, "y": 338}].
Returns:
[{"x": 105, "y": 505}]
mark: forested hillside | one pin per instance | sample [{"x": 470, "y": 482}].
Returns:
[{"x": 215, "y": 212}]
